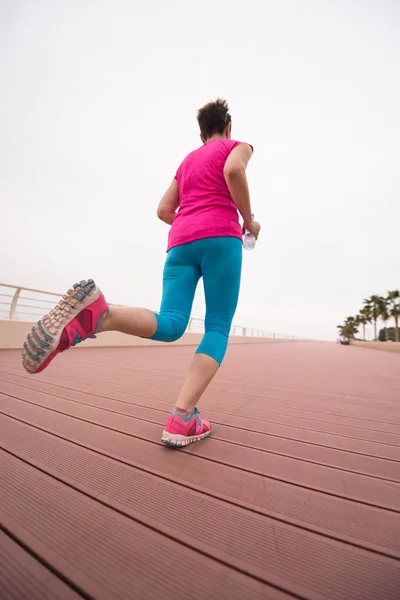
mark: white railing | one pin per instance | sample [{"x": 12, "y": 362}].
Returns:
[
  {"x": 15, "y": 300},
  {"x": 27, "y": 304}
]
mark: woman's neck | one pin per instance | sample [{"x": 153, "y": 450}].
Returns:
[{"x": 216, "y": 136}]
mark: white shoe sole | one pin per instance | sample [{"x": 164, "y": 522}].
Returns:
[{"x": 178, "y": 441}]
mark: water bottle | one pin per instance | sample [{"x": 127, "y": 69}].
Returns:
[{"x": 249, "y": 241}]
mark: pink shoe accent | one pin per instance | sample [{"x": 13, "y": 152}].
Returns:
[
  {"x": 78, "y": 315},
  {"x": 179, "y": 432}
]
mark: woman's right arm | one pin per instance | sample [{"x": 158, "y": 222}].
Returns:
[
  {"x": 169, "y": 203},
  {"x": 236, "y": 180}
]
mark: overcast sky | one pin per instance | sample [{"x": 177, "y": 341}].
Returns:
[{"x": 98, "y": 108}]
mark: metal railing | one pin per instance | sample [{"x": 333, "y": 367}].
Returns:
[
  {"x": 15, "y": 300},
  {"x": 197, "y": 326}
]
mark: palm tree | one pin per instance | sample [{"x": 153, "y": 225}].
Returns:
[
  {"x": 349, "y": 329},
  {"x": 374, "y": 305},
  {"x": 351, "y": 321},
  {"x": 384, "y": 314},
  {"x": 393, "y": 301},
  {"x": 364, "y": 318}
]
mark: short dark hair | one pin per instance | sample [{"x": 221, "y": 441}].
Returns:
[{"x": 213, "y": 117}]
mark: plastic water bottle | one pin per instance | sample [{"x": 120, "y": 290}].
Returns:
[{"x": 249, "y": 241}]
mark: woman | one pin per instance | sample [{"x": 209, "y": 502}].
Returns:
[{"x": 205, "y": 240}]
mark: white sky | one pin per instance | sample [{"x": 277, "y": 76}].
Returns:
[{"x": 97, "y": 109}]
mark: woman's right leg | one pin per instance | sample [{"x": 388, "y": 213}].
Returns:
[
  {"x": 180, "y": 279},
  {"x": 132, "y": 321}
]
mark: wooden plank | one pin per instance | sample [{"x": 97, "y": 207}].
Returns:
[
  {"x": 22, "y": 577},
  {"x": 229, "y": 432},
  {"x": 106, "y": 554},
  {"x": 307, "y": 475},
  {"x": 156, "y": 499},
  {"x": 304, "y": 456}
]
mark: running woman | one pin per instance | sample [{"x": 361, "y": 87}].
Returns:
[{"x": 205, "y": 240}]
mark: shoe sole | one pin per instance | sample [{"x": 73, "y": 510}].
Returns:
[
  {"x": 179, "y": 441},
  {"x": 45, "y": 336}
]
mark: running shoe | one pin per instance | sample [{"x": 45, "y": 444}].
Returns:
[
  {"x": 180, "y": 432},
  {"x": 78, "y": 316}
]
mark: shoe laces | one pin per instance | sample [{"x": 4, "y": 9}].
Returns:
[
  {"x": 77, "y": 339},
  {"x": 196, "y": 413}
]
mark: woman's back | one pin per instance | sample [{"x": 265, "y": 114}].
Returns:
[{"x": 206, "y": 208}]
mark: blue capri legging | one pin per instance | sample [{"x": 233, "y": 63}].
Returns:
[{"x": 219, "y": 261}]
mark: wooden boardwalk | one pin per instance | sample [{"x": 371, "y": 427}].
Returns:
[{"x": 295, "y": 495}]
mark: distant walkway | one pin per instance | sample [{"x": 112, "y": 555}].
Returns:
[
  {"x": 386, "y": 346},
  {"x": 295, "y": 495}
]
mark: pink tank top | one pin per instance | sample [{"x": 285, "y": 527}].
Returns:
[{"x": 206, "y": 208}]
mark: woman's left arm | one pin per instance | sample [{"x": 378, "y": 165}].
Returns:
[{"x": 169, "y": 204}]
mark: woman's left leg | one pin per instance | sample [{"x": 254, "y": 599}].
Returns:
[
  {"x": 220, "y": 260},
  {"x": 221, "y": 265}
]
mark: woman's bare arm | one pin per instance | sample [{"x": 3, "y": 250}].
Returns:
[
  {"x": 169, "y": 204},
  {"x": 236, "y": 180}
]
